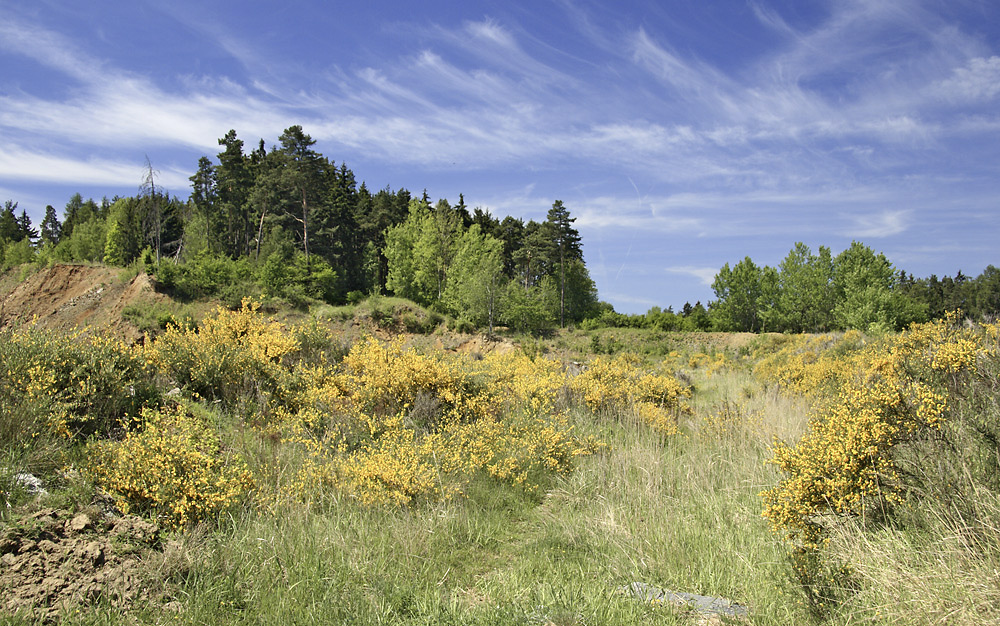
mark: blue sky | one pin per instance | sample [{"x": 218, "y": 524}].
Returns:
[{"x": 682, "y": 135}]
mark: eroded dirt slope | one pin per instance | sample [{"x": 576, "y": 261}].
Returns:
[
  {"x": 64, "y": 297},
  {"x": 55, "y": 562}
]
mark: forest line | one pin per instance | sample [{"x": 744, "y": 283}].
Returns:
[{"x": 288, "y": 222}]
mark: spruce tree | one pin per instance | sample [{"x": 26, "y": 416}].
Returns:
[
  {"x": 567, "y": 248},
  {"x": 51, "y": 228}
]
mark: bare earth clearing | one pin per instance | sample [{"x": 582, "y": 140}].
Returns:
[
  {"x": 65, "y": 297},
  {"x": 56, "y": 562}
]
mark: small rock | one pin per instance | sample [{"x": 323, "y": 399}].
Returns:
[
  {"x": 706, "y": 606},
  {"x": 93, "y": 552},
  {"x": 80, "y": 523}
]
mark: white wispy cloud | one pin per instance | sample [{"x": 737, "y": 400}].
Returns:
[
  {"x": 48, "y": 48},
  {"x": 489, "y": 30},
  {"x": 706, "y": 275},
  {"x": 475, "y": 95},
  {"x": 31, "y": 165},
  {"x": 690, "y": 79},
  {"x": 112, "y": 107},
  {"x": 977, "y": 81},
  {"x": 771, "y": 18},
  {"x": 878, "y": 225}
]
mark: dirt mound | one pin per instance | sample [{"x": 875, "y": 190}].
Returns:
[
  {"x": 54, "y": 562},
  {"x": 484, "y": 346},
  {"x": 64, "y": 297}
]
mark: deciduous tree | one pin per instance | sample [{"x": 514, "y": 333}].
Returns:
[
  {"x": 475, "y": 279},
  {"x": 864, "y": 283}
]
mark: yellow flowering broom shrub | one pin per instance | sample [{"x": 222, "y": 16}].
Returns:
[
  {"x": 393, "y": 425},
  {"x": 393, "y": 469},
  {"x": 896, "y": 394},
  {"x": 515, "y": 380},
  {"x": 808, "y": 365},
  {"x": 383, "y": 378},
  {"x": 619, "y": 385},
  {"x": 173, "y": 469},
  {"x": 730, "y": 421},
  {"x": 83, "y": 385},
  {"x": 233, "y": 356}
]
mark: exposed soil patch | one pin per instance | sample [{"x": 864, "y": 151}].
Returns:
[
  {"x": 55, "y": 561},
  {"x": 484, "y": 346},
  {"x": 64, "y": 297}
]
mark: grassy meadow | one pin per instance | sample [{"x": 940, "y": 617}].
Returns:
[{"x": 303, "y": 478}]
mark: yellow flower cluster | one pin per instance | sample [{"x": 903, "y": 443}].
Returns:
[
  {"x": 385, "y": 425},
  {"x": 85, "y": 385},
  {"x": 383, "y": 378},
  {"x": 698, "y": 359},
  {"x": 391, "y": 425},
  {"x": 518, "y": 447},
  {"x": 712, "y": 363},
  {"x": 393, "y": 469},
  {"x": 808, "y": 365},
  {"x": 173, "y": 469},
  {"x": 888, "y": 393},
  {"x": 514, "y": 380},
  {"x": 232, "y": 355},
  {"x": 619, "y": 385}
]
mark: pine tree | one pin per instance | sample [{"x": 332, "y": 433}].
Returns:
[
  {"x": 71, "y": 215},
  {"x": 567, "y": 245},
  {"x": 9, "y": 231},
  {"x": 203, "y": 198},
  {"x": 511, "y": 232},
  {"x": 51, "y": 228},
  {"x": 124, "y": 237},
  {"x": 305, "y": 178},
  {"x": 233, "y": 184},
  {"x": 532, "y": 259}
]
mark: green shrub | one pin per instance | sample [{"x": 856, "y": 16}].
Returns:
[
  {"x": 206, "y": 275},
  {"x": 155, "y": 317}
]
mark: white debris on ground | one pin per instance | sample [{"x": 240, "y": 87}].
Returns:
[
  {"x": 705, "y": 605},
  {"x": 30, "y": 483}
]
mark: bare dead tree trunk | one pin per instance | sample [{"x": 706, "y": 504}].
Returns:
[
  {"x": 260, "y": 233},
  {"x": 305, "y": 226}
]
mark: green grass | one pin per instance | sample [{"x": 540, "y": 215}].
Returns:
[{"x": 154, "y": 317}]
